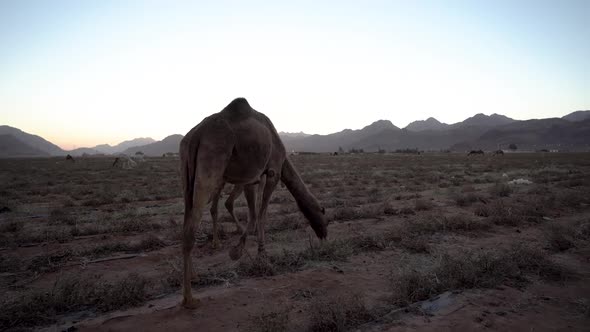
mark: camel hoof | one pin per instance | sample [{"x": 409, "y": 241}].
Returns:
[
  {"x": 191, "y": 303},
  {"x": 235, "y": 253}
]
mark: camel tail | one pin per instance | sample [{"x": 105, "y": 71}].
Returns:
[{"x": 306, "y": 201}]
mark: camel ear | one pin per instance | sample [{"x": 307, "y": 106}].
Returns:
[{"x": 323, "y": 210}]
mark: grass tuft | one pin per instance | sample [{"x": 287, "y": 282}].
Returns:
[
  {"x": 475, "y": 269},
  {"x": 340, "y": 313},
  {"x": 269, "y": 321}
]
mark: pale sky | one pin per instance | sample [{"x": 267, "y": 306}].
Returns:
[{"x": 82, "y": 73}]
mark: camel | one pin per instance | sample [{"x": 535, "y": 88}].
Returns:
[
  {"x": 124, "y": 161},
  {"x": 70, "y": 158},
  {"x": 138, "y": 158},
  {"x": 240, "y": 146},
  {"x": 474, "y": 152}
]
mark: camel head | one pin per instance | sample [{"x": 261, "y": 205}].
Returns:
[{"x": 316, "y": 216}]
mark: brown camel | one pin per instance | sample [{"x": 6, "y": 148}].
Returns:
[{"x": 239, "y": 146}]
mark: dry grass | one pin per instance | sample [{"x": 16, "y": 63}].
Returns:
[
  {"x": 466, "y": 199},
  {"x": 11, "y": 226},
  {"x": 340, "y": 313},
  {"x": 408, "y": 205},
  {"x": 423, "y": 205},
  {"x": 70, "y": 293},
  {"x": 559, "y": 237},
  {"x": 269, "y": 321},
  {"x": 500, "y": 189},
  {"x": 474, "y": 269},
  {"x": 451, "y": 223}
]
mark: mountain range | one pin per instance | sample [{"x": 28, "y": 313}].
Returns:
[{"x": 488, "y": 132}]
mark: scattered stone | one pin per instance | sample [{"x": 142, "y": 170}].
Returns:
[
  {"x": 337, "y": 269},
  {"x": 440, "y": 302}
]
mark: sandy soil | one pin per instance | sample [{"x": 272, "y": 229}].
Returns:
[{"x": 91, "y": 221}]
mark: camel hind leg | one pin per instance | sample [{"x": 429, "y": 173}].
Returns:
[
  {"x": 214, "y": 215},
  {"x": 192, "y": 219},
  {"x": 208, "y": 179},
  {"x": 229, "y": 205},
  {"x": 250, "y": 193},
  {"x": 270, "y": 185}
]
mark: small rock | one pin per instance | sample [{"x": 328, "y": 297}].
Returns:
[
  {"x": 337, "y": 269},
  {"x": 437, "y": 303},
  {"x": 520, "y": 181}
]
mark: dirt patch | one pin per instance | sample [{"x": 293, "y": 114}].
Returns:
[{"x": 99, "y": 248}]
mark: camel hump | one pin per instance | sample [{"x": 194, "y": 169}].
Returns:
[
  {"x": 240, "y": 100},
  {"x": 238, "y": 105}
]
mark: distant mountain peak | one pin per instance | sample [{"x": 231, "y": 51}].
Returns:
[
  {"x": 483, "y": 120},
  {"x": 380, "y": 125},
  {"x": 106, "y": 148},
  {"x": 577, "y": 116},
  {"x": 35, "y": 142},
  {"x": 157, "y": 148},
  {"x": 428, "y": 124},
  {"x": 293, "y": 135}
]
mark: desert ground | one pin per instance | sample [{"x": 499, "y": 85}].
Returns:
[{"x": 430, "y": 242}]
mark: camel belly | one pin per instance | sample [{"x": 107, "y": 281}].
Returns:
[
  {"x": 248, "y": 161},
  {"x": 248, "y": 166}
]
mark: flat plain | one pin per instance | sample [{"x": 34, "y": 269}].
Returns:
[{"x": 416, "y": 243}]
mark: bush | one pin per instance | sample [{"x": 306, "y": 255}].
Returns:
[
  {"x": 12, "y": 226},
  {"x": 269, "y": 322},
  {"x": 339, "y": 313},
  {"x": 500, "y": 190},
  {"x": 73, "y": 292},
  {"x": 501, "y": 213},
  {"x": 345, "y": 213},
  {"x": 129, "y": 292},
  {"x": 466, "y": 199},
  {"x": 59, "y": 216},
  {"x": 474, "y": 269},
  {"x": 453, "y": 223},
  {"x": 423, "y": 205},
  {"x": 338, "y": 250}
]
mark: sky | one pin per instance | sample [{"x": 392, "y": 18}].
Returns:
[{"x": 82, "y": 73}]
